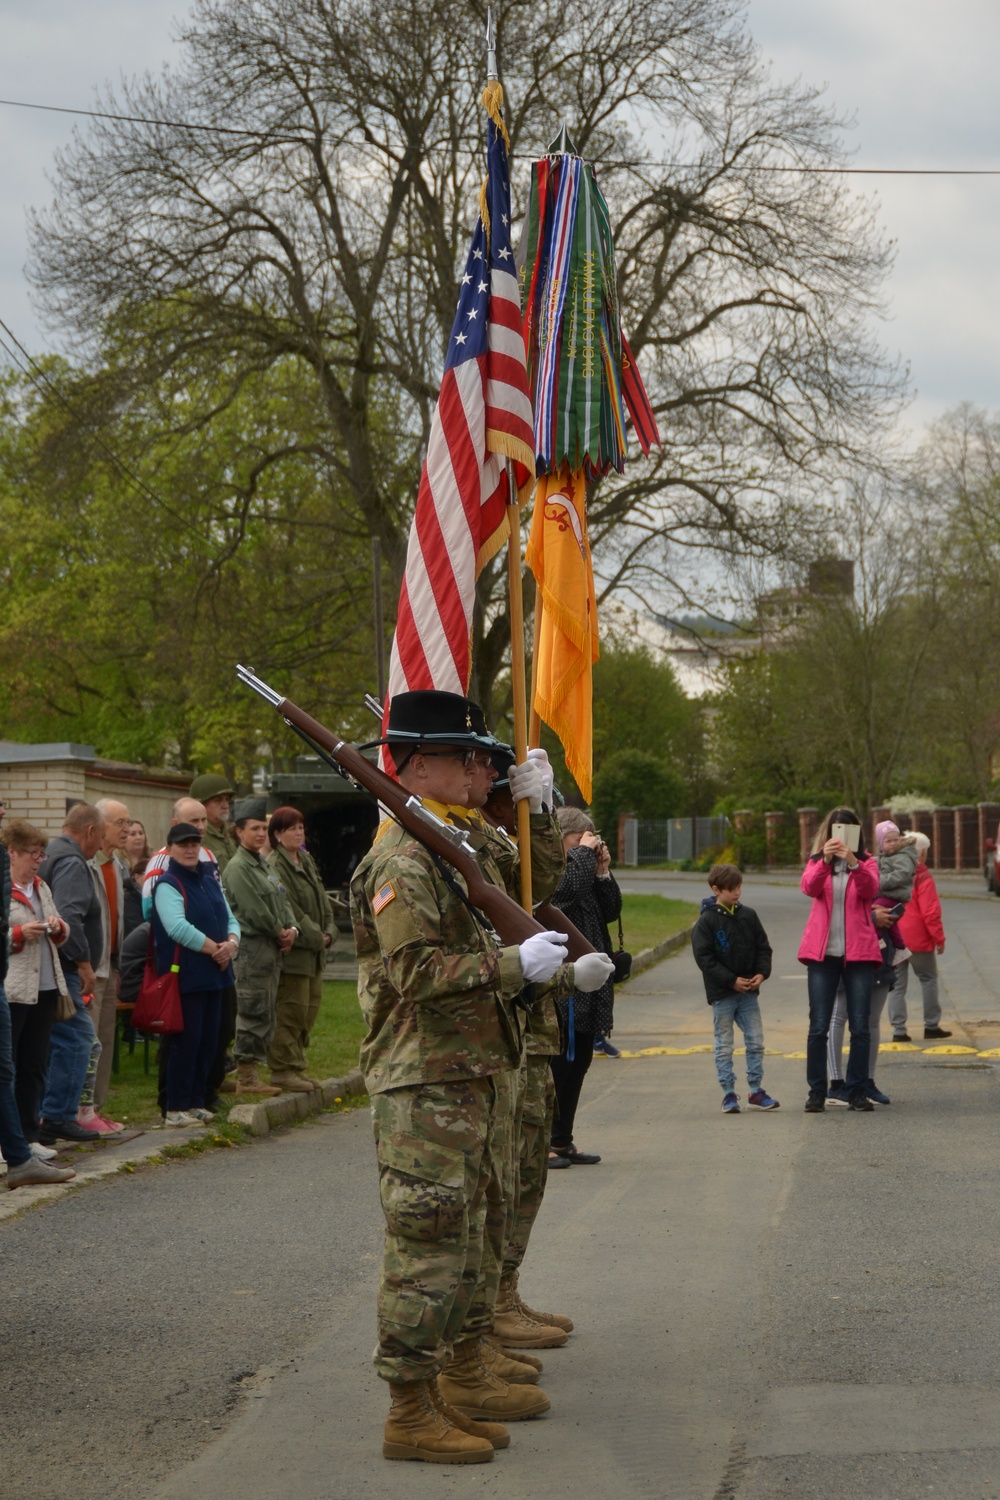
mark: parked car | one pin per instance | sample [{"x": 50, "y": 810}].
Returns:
[{"x": 991, "y": 867}]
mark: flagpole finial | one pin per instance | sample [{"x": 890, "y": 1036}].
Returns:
[
  {"x": 563, "y": 144},
  {"x": 491, "y": 46}
]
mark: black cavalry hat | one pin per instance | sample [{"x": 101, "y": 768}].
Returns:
[{"x": 428, "y": 717}]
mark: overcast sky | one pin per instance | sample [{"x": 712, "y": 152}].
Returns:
[{"x": 919, "y": 77}]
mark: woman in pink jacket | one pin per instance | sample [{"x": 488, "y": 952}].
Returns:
[{"x": 839, "y": 946}]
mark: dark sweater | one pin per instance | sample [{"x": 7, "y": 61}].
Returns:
[{"x": 729, "y": 945}]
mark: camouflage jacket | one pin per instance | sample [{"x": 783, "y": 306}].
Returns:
[
  {"x": 436, "y": 990},
  {"x": 257, "y": 896},
  {"x": 548, "y": 861}
]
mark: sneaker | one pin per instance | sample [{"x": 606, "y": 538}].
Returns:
[
  {"x": 178, "y": 1118},
  {"x": 935, "y": 1033},
  {"x": 860, "y": 1101},
  {"x": 815, "y": 1104},
  {"x": 901, "y": 1036},
  {"x": 837, "y": 1093},
  {"x": 32, "y": 1173},
  {"x": 101, "y": 1126},
  {"x": 40, "y": 1152},
  {"x": 730, "y": 1104},
  {"x": 604, "y": 1048},
  {"x": 760, "y": 1099},
  {"x": 204, "y": 1115},
  {"x": 876, "y": 1094}
]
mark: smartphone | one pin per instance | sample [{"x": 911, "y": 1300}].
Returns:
[{"x": 847, "y": 833}]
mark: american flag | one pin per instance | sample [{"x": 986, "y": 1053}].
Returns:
[{"x": 483, "y": 418}]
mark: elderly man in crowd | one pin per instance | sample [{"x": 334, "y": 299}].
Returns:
[
  {"x": 66, "y": 871},
  {"x": 108, "y": 870},
  {"x": 215, "y": 794},
  {"x": 23, "y": 1167}
]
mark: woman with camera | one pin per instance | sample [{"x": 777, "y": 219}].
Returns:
[{"x": 588, "y": 893}]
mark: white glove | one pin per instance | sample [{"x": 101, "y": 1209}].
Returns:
[
  {"x": 541, "y": 955},
  {"x": 540, "y": 759},
  {"x": 590, "y": 972},
  {"x": 526, "y": 781}
]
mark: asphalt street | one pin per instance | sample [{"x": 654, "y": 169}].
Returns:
[{"x": 766, "y": 1305}]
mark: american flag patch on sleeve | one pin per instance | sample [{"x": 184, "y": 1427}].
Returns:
[{"x": 382, "y": 897}]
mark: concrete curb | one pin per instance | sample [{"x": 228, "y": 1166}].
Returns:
[
  {"x": 650, "y": 956},
  {"x": 270, "y": 1114}
]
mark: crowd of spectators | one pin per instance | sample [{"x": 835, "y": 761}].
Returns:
[{"x": 86, "y": 914}]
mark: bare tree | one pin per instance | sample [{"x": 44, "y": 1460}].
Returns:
[{"x": 327, "y": 240}]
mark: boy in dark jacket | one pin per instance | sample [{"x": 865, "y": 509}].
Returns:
[{"x": 732, "y": 951}]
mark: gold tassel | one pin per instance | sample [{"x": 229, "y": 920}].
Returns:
[{"x": 492, "y": 102}]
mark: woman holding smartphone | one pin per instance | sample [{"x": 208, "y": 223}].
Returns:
[{"x": 839, "y": 946}]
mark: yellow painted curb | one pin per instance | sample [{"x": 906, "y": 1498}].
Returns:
[
  {"x": 991, "y": 1052},
  {"x": 900, "y": 1047},
  {"x": 690, "y": 1051},
  {"x": 951, "y": 1051},
  {"x": 795, "y": 1056}
]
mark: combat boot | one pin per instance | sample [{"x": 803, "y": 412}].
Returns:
[
  {"x": 247, "y": 1082},
  {"x": 291, "y": 1083},
  {"x": 514, "y": 1328},
  {"x": 521, "y": 1355},
  {"x": 494, "y": 1432},
  {"x": 495, "y": 1357},
  {"x": 416, "y": 1427},
  {"x": 474, "y": 1391},
  {"x": 551, "y": 1320}
]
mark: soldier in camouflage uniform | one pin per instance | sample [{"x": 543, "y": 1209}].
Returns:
[
  {"x": 509, "y": 1323},
  {"x": 437, "y": 991}
]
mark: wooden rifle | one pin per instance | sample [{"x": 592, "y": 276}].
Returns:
[{"x": 512, "y": 924}]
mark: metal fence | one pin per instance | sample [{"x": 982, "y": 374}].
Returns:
[{"x": 648, "y": 841}]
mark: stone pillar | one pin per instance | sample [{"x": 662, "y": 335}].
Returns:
[
  {"x": 774, "y": 822},
  {"x": 743, "y": 821},
  {"x": 808, "y": 823},
  {"x": 943, "y": 838}
]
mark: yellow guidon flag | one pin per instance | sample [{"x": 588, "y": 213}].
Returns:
[{"x": 566, "y": 618}]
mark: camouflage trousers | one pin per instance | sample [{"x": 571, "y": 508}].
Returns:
[
  {"x": 257, "y": 967},
  {"x": 500, "y": 1198},
  {"x": 435, "y": 1144},
  {"x": 536, "y": 1107},
  {"x": 296, "y": 1009}
]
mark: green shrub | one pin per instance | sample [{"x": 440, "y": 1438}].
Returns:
[{"x": 635, "y": 781}]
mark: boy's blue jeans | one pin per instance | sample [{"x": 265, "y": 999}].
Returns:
[{"x": 744, "y": 1010}]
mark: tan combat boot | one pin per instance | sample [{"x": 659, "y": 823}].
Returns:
[
  {"x": 521, "y": 1355},
  {"x": 514, "y": 1370},
  {"x": 247, "y": 1082},
  {"x": 492, "y": 1431},
  {"x": 514, "y": 1328},
  {"x": 417, "y": 1428},
  {"x": 552, "y": 1320},
  {"x": 291, "y": 1083},
  {"x": 476, "y": 1392}
]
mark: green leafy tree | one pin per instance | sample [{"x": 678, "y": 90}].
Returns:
[{"x": 635, "y": 781}]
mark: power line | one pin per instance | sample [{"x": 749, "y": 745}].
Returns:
[
  {"x": 102, "y": 114},
  {"x": 674, "y": 166}
]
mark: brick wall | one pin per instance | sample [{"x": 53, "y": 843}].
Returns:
[{"x": 39, "y": 792}]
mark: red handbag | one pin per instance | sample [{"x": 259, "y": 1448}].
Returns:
[{"x": 158, "y": 1009}]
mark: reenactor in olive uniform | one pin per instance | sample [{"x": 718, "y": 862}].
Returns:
[
  {"x": 215, "y": 794},
  {"x": 437, "y": 991},
  {"x": 268, "y": 929}
]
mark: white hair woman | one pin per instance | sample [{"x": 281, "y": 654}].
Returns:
[{"x": 921, "y": 930}]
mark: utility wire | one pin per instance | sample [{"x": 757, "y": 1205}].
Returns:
[{"x": 675, "y": 166}]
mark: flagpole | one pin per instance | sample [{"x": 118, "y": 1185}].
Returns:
[{"x": 515, "y": 592}]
